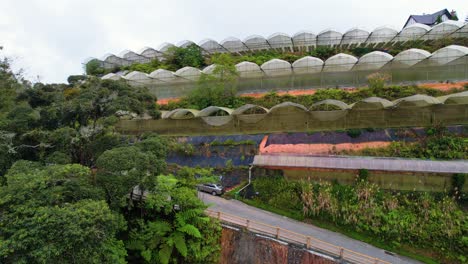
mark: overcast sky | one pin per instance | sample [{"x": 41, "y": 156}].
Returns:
[{"x": 50, "y": 39}]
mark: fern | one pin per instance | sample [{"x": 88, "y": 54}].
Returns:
[
  {"x": 160, "y": 228},
  {"x": 190, "y": 230},
  {"x": 165, "y": 254},
  {"x": 179, "y": 242}
]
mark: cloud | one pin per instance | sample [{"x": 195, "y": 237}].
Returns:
[{"x": 51, "y": 38}]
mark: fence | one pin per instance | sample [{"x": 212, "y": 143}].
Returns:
[{"x": 308, "y": 241}]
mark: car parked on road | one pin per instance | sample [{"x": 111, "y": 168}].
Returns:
[{"x": 213, "y": 188}]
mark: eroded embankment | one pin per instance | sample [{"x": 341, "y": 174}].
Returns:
[{"x": 242, "y": 247}]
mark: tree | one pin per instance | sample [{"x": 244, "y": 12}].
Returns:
[
  {"x": 67, "y": 221},
  {"x": 175, "y": 228},
  {"x": 178, "y": 57},
  {"x": 121, "y": 169}
]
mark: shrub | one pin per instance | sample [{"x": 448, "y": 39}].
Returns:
[
  {"x": 377, "y": 80},
  {"x": 353, "y": 133}
]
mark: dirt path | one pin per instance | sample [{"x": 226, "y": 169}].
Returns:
[{"x": 240, "y": 209}]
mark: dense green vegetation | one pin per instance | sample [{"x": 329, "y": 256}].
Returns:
[
  {"x": 177, "y": 57},
  {"x": 73, "y": 190},
  {"x": 415, "y": 222}
]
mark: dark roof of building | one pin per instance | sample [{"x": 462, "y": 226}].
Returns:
[
  {"x": 429, "y": 19},
  {"x": 355, "y": 163}
]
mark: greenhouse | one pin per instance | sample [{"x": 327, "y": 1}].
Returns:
[
  {"x": 409, "y": 58},
  {"x": 307, "y": 64},
  {"x": 288, "y": 106},
  {"x": 329, "y": 38},
  {"x": 372, "y": 103},
  {"x": 412, "y": 32},
  {"x": 163, "y": 76},
  {"x": 381, "y": 34},
  {"x": 354, "y": 36},
  {"x": 304, "y": 40},
  {"x": 165, "y": 47},
  {"x": 134, "y": 57},
  {"x": 256, "y": 42},
  {"x": 234, "y": 45},
  {"x": 215, "y": 111},
  {"x": 276, "y": 67},
  {"x": 329, "y": 105},
  {"x": 281, "y": 41},
  {"x": 448, "y": 54},
  {"x": 250, "y": 109},
  {"x": 151, "y": 53},
  {"x": 462, "y": 32},
  {"x": 189, "y": 73},
  {"x": 458, "y": 98},
  {"x": 138, "y": 78},
  {"x": 111, "y": 76},
  {"x": 418, "y": 100},
  {"x": 181, "y": 114},
  {"x": 373, "y": 61},
  {"x": 340, "y": 63},
  {"x": 185, "y": 43},
  {"x": 443, "y": 29},
  {"x": 211, "y": 46},
  {"x": 249, "y": 70}
]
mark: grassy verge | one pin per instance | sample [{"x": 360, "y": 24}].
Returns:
[{"x": 402, "y": 249}]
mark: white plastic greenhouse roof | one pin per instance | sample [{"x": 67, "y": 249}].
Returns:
[{"x": 356, "y": 163}]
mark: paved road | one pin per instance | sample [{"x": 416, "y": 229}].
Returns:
[{"x": 242, "y": 210}]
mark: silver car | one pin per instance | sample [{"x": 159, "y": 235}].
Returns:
[{"x": 214, "y": 189}]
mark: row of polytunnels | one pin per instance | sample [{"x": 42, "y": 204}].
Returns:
[
  {"x": 303, "y": 40},
  {"x": 371, "y": 103},
  {"x": 372, "y": 61}
]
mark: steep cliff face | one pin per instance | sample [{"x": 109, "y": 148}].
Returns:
[{"x": 243, "y": 247}]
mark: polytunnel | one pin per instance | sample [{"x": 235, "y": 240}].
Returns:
[
  {"x": 447, "y": 54},
  {"x": 329, "y": 38},
  {"x": 329, "y": 110},
  {"x": 372, "y": 103},
  {"x": 340, "y": 63},
  {"x": 329, "y": 105},
  {"x": 163, "y": 76},
  {"x": 256, "y": 42},
  {"x": 409, "y": 58},
  {"x": 151, "y": 53},
  {"x": 188, "y": 73},
  {"x": 418, "y": 100},
  {"x": 373, "y": 61},
  {"x": 307, "y": 64},
  {"x": 276, "y": 67},
  {"x": 163, "y": 48},
  {"x": 250, "y": 109},
  {"x": 134, "y": 57},
  {"x": 462, "y": 32},
  {"x": 115, "y": 60},
  {"x": 211, "y": 46},
  {"x": 111, "y": 76},
  {"x": 381, "y": 35},
  {"x": 209, "y": 69},
  {"x": 457, "y": 98},
  {"x": 443, "y": 29},
  {"x": 138, "y": 78},
  {"x": 234, "y": 45},
  {"x": 186, "y": 43},
  {"x": 215, "y": 111},
  {"x": 354, "y": 36},
  {"x": 413, "y": 32},
  {"x": 304, "y": 40},
  {"x": 181, "y": 114},
  {"x": 280, "y": 41},
  {"x": 248, "y": 69},
  {"x": 288, "y": 106}
]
